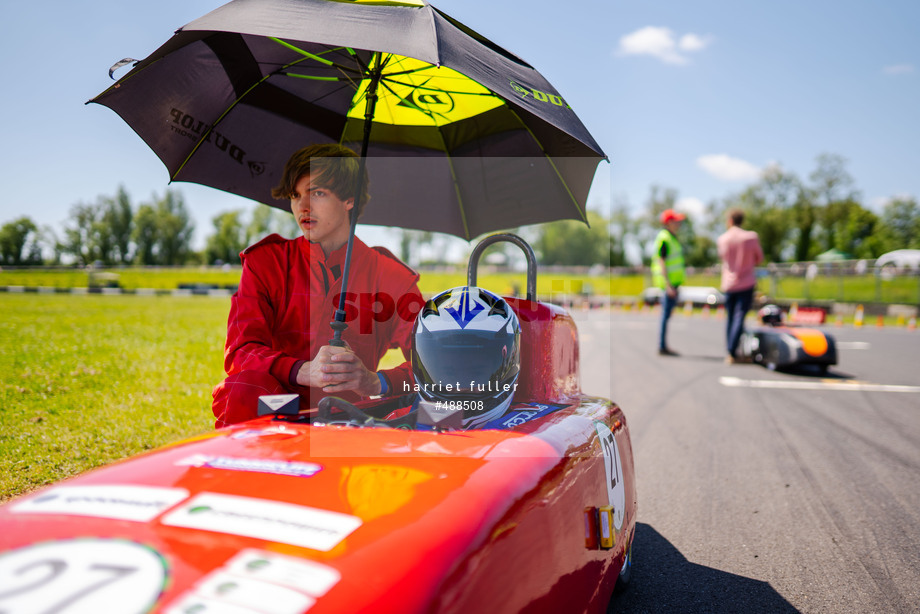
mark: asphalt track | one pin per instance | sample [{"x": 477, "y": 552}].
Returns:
[{"x": 765, "y": 491}]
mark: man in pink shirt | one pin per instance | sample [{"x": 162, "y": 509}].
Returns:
[{"x": 740, "y": 252}]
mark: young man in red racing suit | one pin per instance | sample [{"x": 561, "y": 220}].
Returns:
[{"x": 278, "y": 329}]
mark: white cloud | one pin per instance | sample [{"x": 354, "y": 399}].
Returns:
[
  {"x": 726, "y": 168},
  {"x": 661, "y": 43},
  {"x": 692, "y": 42},
  {"x": 692, "y": 206},
  {"x": 898, "y": 69}
]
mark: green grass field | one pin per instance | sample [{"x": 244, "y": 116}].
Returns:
[{"x": 91, "y": 379}]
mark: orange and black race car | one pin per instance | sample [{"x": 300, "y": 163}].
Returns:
[
  {"x": 352, "y": 509},
  {"x": 777, "y": 345}
]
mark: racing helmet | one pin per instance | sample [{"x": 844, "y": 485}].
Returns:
[
  {"x": 771, "y": 314},
  {"x": 466, "y": 353}
]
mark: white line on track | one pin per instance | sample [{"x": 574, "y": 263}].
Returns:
[
  {"x": 737, "y": 382},
  {"x": 853, "y": 345}
]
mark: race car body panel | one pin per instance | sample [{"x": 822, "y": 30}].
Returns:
[
  {"x": 549, "y": 351},
  {"x": 407, "y": 521}
]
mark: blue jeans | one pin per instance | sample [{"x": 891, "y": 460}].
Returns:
[
  {"x": 667, "y": 306},
  {"x": 737, "y": 304}
]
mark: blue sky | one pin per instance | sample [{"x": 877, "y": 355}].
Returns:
[{"x": 694, "y": 96}]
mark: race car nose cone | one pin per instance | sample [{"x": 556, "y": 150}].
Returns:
[{"x": 279, "y": 405}]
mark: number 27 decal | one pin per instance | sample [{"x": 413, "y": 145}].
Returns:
[
  {"x": 81, "y": 576},
  {"x": 616, "y": 490}
]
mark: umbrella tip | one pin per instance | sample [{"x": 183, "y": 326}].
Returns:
[{"x": 119, "y": 64}]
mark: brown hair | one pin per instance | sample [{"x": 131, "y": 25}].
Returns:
[
  {"x": 330, "y": 165},
  {"x": 736, "y": 216}
]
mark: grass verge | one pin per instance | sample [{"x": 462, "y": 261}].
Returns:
[{"x": 91, "y": 379}]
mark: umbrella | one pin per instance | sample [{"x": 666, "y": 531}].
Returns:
[
  {"x": 459, "y": 135},
  {"x": 465, "y": 137}
]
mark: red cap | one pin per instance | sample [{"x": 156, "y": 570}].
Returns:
[{"x": 669, "y": 215}]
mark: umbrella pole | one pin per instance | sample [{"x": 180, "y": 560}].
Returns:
[{"x": 338, "y": 324}]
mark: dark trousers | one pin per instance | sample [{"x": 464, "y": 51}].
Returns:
[
  {"x": 737, "y": 304},
  {"x": 667, "y": 306}
]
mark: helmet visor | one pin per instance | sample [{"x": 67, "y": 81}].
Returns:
[{"x": 468, "y": 361}]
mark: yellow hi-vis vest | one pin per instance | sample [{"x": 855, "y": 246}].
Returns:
[{"x": 674, "y": 262}]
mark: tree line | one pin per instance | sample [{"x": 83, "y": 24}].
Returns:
[
  {"x": 112, "y": 231},
  {"x": 796, "y": 218}
]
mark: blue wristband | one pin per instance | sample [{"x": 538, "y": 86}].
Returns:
[{"x": 384, "y": 388}]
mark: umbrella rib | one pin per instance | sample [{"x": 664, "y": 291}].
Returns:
[
  {"x": 568, "y": 191},
  {"x": 347, "y": 72},
  {"x": 437, "y": 89},
  {"x": 309, "y": 55},
  {"x": 453, "y": 175},
  {"x": 361, "y": 70},
  {"x": 450, "y": 165}
]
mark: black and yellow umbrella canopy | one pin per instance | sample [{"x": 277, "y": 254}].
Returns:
[{"x": 465, "y": 137}]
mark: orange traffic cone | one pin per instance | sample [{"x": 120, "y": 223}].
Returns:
[{"x": 858, "y": 316}]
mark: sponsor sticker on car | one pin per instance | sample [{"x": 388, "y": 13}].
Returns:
[
  {"x": 275, "y": 432},
  {"x": 304, "y": 575},
  {"x": 258, "y": 465},
  {"x": 120, "y": 502},
  {"x": 285, "y": 523},
  {"x": 257, "y": 581},
  {"x": 520, "y": 414},
  {"x": 225, "y": 588}
]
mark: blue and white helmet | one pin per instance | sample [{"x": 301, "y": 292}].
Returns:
[{"x": 466, "y": 350}]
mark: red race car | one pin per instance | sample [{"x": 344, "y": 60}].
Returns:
[{"x": 348, "y": 509}]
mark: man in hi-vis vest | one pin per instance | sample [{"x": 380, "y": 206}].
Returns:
[{"x": 668, "y": 271}]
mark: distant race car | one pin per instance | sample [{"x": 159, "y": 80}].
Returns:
[
  {"x": 697, "y": 295},
  {"x": 779, "y": 346},
  {"x": 343, "y": 509}
]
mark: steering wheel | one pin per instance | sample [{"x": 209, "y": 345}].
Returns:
[{"x": 355, "y": 415}]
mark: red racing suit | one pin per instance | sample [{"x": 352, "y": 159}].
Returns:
[{"x": 279, "y": 318}]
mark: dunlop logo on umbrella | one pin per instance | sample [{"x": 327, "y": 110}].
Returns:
[
  {"x": 428, "y": 101},
  {"x": 188, "y": 126},
  {"x": 539, "y": 96}
]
